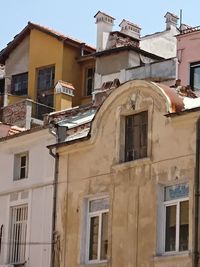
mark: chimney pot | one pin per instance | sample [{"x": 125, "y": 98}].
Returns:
[
  {"x": 104, "y": 27},
  {"x": 130, "y": 29},
  {"x": 171, "y": 20}
]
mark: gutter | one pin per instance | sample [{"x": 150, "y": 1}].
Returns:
[
  {"x": 53, "y": 233},
  {"x": 65, "y": 143},
  {"x": 197, "y": 197}
]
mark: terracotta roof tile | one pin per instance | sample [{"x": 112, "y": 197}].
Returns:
[
  {"x": 58, "y": 34},
  {"x": 4, "y": 53},
  {"x": 66, "y": 84}
]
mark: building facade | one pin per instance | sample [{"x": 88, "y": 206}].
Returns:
[
  {"x": 126, "y": 185},
  {"x": 26, "y": 199},
  {"x": 189, "y": 57},
  {"x": 39, "y": 57}
]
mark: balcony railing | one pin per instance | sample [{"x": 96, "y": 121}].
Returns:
[{"x": 26, "y": 113}]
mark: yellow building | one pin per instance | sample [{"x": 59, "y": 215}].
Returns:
[{"x": 37, "y": 59}]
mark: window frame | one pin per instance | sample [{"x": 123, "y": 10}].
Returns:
[
  {"x": 13, "y": 91},
  {"x": 87, "y": 78},
  {"x": 193, "y": 66},
  {"x": 53, "y": 72},
  {"x": 13, "y": 221},
  {"x": 125, "y": 158},
  {"x": 168, "y": 203},
  {"x": 88, "y": 227},
  {"x": 18, "y": 166}
]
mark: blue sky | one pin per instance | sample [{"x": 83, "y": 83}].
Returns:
[{"x": 75, "y": 18}]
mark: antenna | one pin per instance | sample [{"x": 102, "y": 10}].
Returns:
[{"x": 180, "y": 20}]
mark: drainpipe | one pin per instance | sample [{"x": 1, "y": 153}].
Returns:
[
  {"x": 56, "y": 157},
  {"x": 197, "y": 194},
  {"x": 1, "y": 233}
]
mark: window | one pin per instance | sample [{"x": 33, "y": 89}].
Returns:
[
  {"x": 136, "y": 127},
  {"x": 176, "y": 208},
  {"x": 97, "y": 238},
  {"x": 21, "y": 166},
  {"x": 195, "y": 75},
  {"x": 2, "y": 85},
  {"x": 19, "y": 84},
  {"x": 18, "y": 230},
  {"x": 46, "y": 78},
  {"x": 89, "y": 81}
]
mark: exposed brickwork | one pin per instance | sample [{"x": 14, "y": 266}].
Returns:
[{"x": 15, "y": 114}]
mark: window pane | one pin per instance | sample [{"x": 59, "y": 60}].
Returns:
[
  {"x": 99, "y": 204},
  {"x": 104, "y": 236},
  {"x": 18, "y": 228},
  {"x": 19, "y": 84},
  {"x": 94, "y": 230},
  {"x": 136, "y": 136},
  {"x": 23, "y": 161},
  {"x": 176, "y": 191},
  {"x": 22, "y": 172},
  {"x": 89, "y": 81},
  {"x": 46, "y": 78},
  {"x": 196, "y": 78},
  {"x": 170, "y": 232},
  {"x": 184, "y": 225}
]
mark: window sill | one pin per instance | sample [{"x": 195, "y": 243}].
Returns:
[
  {"x": 131, "y": 164},
  {"x": 96, "y": 264},
  {"x": 174, "y": 255}
]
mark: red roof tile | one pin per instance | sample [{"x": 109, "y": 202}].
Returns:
[{"x": 19, "y": 37}]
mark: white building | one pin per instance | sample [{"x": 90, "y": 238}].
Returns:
[
  {"x": 125, "y": 55},
  {"x": 26, "y": 199}
]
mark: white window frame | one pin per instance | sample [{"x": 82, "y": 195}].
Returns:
[
  {"x": 18, "y": 167},
  {"x": 24, "y": 224},
  {"x": 89, "y": 216},
  {"x": 168, "y": 204}
]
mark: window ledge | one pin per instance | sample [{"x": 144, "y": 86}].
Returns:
[
  {"x": 97, "y": 264},
  {"x": 131, "y": 164},
  {"x": 175, "y": 255}
]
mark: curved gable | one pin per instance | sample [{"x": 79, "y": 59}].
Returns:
[{"x": 135, "y": 96}]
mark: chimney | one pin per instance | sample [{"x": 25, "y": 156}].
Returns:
[
  {"x": 130, "y": 29},
  {"x": 171, "y": 20},
  {"x": 104, "y": 27}
]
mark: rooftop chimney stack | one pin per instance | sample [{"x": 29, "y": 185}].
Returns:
[
  {"x": 104, "y": 27},
  {"x": 171, "y": 20},
  {"x": 130, "y": 29}
]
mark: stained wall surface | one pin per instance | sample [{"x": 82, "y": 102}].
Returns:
[{"x": 95, "y": 168}]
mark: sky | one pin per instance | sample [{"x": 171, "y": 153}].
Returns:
[{"x": 76, "y": 18}]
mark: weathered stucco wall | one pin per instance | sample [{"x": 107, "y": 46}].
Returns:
[
  {"x": 162, "y": 44},
  {"x": 17, "y": 63},
  {"x": 94, "y": 168}
]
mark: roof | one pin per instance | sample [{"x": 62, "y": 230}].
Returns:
[
  {"x": 66, "y": 84},
  {"x": 189, "y": 30},
  {"x": 19, "y": 37},
  {"x": 9, "y": 130},
  {"x": 130, "y": 23},
  {"x": 127, "y": 47},
  {"x": 103, "y": 14},
  {"x": 15, "y": 133}
]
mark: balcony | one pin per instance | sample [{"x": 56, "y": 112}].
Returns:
[{"x": 26, "y": 113}]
